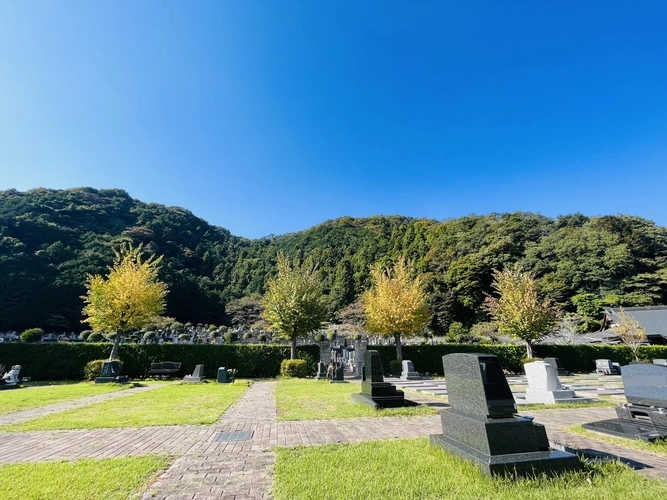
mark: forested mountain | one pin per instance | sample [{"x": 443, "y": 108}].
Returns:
[{"x": 50, "y": 240}]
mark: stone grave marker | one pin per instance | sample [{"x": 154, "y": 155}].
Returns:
[
  {"x": 660, "y": 362},
  {"x": 11, "y": 379},
  {"x": 408, "y": 371},
  {"x": 562, "y": 372},
  {"x": 374, "y": 390},
  {"x": 110, "y": 372},
  {"x": 224, "y": 377},
  {"x": 197, "y": 375},
  {"x": 644, "y": 416},
  {"x": 482, "y": 425},
  {"x": 544, "y": 386},
  {"x": 606, "y": 367},
  {"x": 321, "y": 371}
]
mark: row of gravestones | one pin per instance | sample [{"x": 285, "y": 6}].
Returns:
[
  {"x": 111, "y": 373},
  {"x": 483, "y": 426}
]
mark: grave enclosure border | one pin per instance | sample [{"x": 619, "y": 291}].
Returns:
[{"x": 63, "y": 360}]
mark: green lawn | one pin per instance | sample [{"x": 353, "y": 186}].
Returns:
[
  {"x": 108, "y": 479},
  {"x": 307, "y": 399},
  {"x": 411, "y": 469},
  {"x": 181, "y": 404},
  {"x": 658, "y": 448},
  {"x": 25, "y": 398}
]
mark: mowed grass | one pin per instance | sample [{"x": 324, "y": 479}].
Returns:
[
  {"x": 658, "y": 448},
  {"x": 26, "y": 398},
  {"x": 181, "y": 404},
  {"x": 308, "y": 399},
  {"x": 412, "y": 469},
  {"x": 107, "y": 479}
]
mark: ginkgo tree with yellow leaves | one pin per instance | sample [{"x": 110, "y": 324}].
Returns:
[
  {"x": 129, "y": 298},
  {"x": 395, "y": 304},
  {"x": 518, "y": 311}
]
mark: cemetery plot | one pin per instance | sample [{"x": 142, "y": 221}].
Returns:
[
  {"x": 302, "y": 399},
  {"x": 185, "y": 404},
  {"x": 108, "y": 479},
  {"x": 411, "y": 470},
  {"x": 27, "y": 398}
]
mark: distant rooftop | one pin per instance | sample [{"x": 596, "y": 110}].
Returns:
[{"x": 652, "y": 318}]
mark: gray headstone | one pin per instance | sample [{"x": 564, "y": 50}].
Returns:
[
  {"x": 373, "y": 367},
  {"x": 476, "y": 385},
  {"x": 645, "y": 384},
  {"x": 660, "y": 362},
  {"x": 542, "y": 376},
  {"x": 199, "y": 371},
  {"x": 325, "y": 352}
]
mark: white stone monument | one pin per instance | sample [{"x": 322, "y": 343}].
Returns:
[{"x": 544, "y": 386}]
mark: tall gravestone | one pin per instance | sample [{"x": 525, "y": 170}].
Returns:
[
  {"x": 562, "y": 371},
  {"x": 374, "y": 390},
  {"x": 360, "y": 347},
  {"x": 482, "y": 425},
  {"x": 325, "y": 352},
  {"x": 644, "y": 416}
]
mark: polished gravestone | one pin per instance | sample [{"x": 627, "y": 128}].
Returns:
[
  {"x": 224, "y": 376},
  {"x": 644, "y": 416},
  {"x": 662, "y": 362},
  {"x": 562, "y": 371},
  {"x": 482, "y": 425},
  {"x": 336, "y": 372},
  {"x": 545, "y": 387},
  {"x": 374, "y": 390},
  {"x": 408, "y": 371},
  {"x": 197, "y": 375},
  {"x": 321, "y": 371},
  {"x": 607, "y": 367},
  {"x": 110, "y": 373}
]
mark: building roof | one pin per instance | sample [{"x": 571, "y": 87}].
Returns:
[{"x": 652, "y": 318}]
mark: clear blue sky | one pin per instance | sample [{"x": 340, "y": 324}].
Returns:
[{"x": 273, "y": 116}]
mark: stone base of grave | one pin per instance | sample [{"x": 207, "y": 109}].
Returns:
[
  {"x": 517, "y": 464},
  {"x": 122, "y": 379},
  {"x": 538, "y": 396},
  {"x": 411, "y": 376},
  {"x": 386, "y": 402},
  {"x": 338, "y": 382},
  {"x": 631, "y": 430},
  {"x": 9, "y": 386},
  {"x": 189, "y": 379}
]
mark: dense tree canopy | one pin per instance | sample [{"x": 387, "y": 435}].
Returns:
[{"x": 50, "y": 240}]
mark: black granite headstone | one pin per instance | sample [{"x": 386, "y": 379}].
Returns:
[
  {"x": 321, "y": 371},
  {"x": 224, "y": 377},
  {"x": 110, "y": 372},
  {"x": 374, "y": 390},
  {"x": 482, "y": 425},
  {"x": 644, "y": 416}
]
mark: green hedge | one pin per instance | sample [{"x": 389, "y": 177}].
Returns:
[
  {"x": 576, "y": 358},
  {"x": 63, "y": 360}
]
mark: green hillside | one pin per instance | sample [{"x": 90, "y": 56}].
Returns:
[{"x": 50, "y": 240}]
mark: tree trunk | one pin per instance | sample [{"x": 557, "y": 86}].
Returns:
[
  {"x": 529, "y": 350},
  {"x": 399, "y": 347},
  {"x": 116, "y": 343},
  {"x": 293, "y": 354}
]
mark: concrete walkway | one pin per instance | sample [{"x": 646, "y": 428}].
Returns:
[{"x": 242, "y": 469}]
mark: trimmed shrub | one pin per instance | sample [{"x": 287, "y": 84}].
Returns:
[
  {"x": 184, "y": 336},
  {"x": 358, "y": 336},
  {"x": 395, "y": 368},
  {"x": 32, "y": 335},
  {"x": 230, "y": 337},
  {"x": 95, "y": 337},
  {"x": 261, "y": 337},
  {"x": 93, "y": 369},
  {"x": 247, "y": 336},
  {"x": 294, "y": 368},
  {"x": 149, "y": 336},
  {"x": 85, "y": 334},
  {"x": 319, "y": 337},
  {"x": 331, "y": 336}
]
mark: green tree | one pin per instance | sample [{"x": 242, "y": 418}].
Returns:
[
  {"x": 518, "y": 311},
  {"x": 395, "y": 305},
  {"x": 130, "y": 298},
  {"x": 293, "y": 302},
  {"x": 32, "y": 335}
]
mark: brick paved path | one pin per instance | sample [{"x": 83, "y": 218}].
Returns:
[
  {"x": 22, "y": 416},
  {"x": 242, "y": 469}
]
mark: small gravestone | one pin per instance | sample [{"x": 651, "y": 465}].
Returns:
[
  {"x": 562, "y": 372},
  {"x": 197, "y": 375},
  {"x": 374, "y": 390},
  {"x": 110, "y": 372},
  {"x": 662, "y": 362},
  {"x": 644, "y": 416},
  {"x": 224, "y": 377},
  {"x": 482, "y": 425},
  {"x": 606, "y": 367},
  {"x": 408, "y": 371},
  {"x": 11, "y": 379},
  {"x": 336, "y": 372},
  {"x": 321, "y": 371},
  {"x": 544, "y": 386}
]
